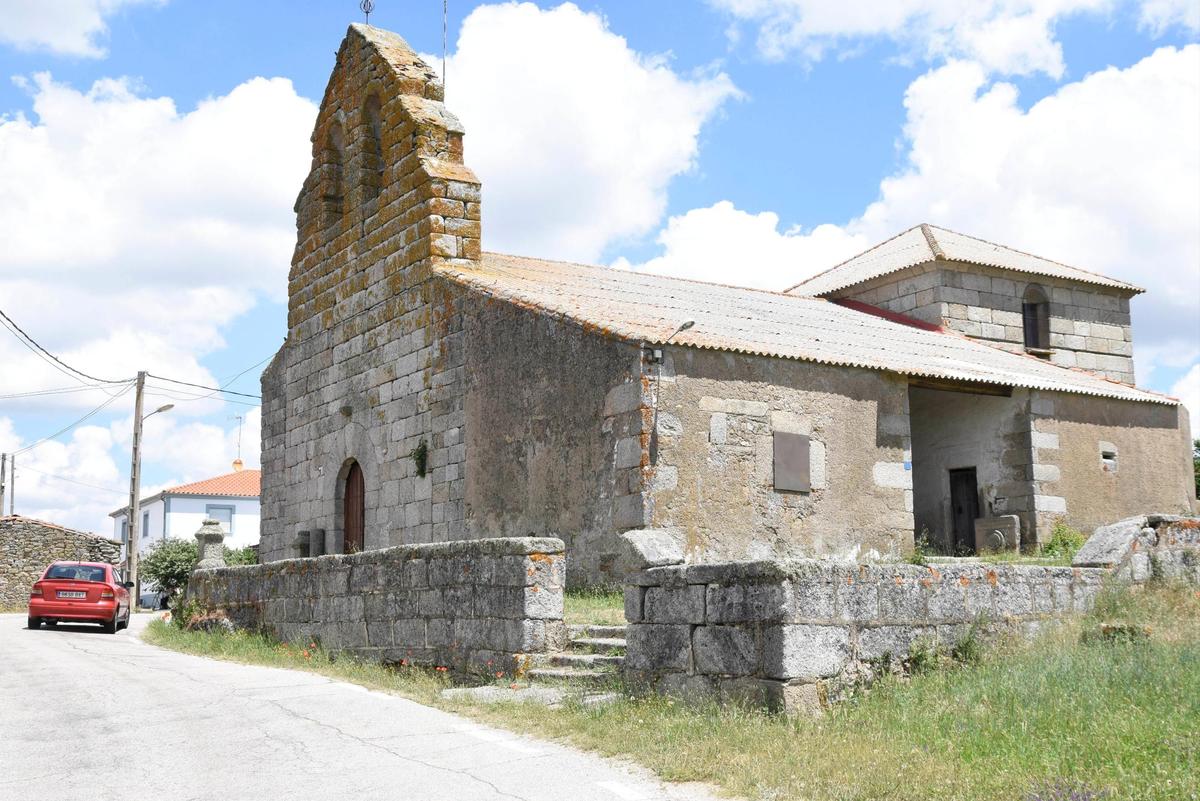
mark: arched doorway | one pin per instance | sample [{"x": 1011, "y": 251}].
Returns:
[{"x": 353, "y": 502}]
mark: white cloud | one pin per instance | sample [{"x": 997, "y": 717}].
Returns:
[
  {"x": 723, "y": 244},
  {"x": 1187, "y": 389},
  {"x": 1101, "y": 175},
  {"x": 65, "y": 27},
  {"x": 141, "y": 231},
  {"x": 1014, "y": 37},
  {"x": 74, "y": 482},
  {"x": 574, "y": 135},
  {"x": 1159, "y": 15}
]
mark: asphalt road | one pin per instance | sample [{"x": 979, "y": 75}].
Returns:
[{"x": 87, "y": 715}]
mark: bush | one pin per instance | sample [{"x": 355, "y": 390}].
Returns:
[
  {"x": 1064, "y": 541},
  {"x": 170, "y": 563}
]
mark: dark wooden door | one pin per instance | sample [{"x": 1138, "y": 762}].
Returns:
[
  {"x": 964, "y": 508},
  {"x": 352, "y": 510}
]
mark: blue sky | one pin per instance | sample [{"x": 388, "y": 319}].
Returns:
[{"x": 796, "y": 130}]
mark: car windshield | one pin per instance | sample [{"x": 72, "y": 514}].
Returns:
[{"x": 76, "y": 572}]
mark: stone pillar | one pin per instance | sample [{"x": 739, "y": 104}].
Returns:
[{"x": 211, "y": 541}]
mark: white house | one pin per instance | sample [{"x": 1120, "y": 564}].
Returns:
[{"x": 179, "y": 511}]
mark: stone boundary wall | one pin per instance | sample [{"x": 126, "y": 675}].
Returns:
[
  {"x": 1145, "y": 547},
  {"x": 789, "y": 635},
  {"x": 465, "y": 604},
  {"x": 28, "y": 546}
]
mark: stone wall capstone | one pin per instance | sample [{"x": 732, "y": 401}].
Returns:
[
  {"x": 465, "y": 604},
  {"x": 28, "y": 546},
  {"x": 788, "y": 635}
]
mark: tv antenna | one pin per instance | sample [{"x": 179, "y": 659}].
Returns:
[
  {"x": 367, "y": 7},
  {"x": 240, "y": 418}
]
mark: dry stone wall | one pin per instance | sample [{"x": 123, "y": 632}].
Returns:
[
  {"x": 28, "y": 546},
  {"x": 791, "y": 635},
  {"x": 467, "y": 604}
]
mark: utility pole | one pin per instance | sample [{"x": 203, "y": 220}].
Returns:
[
  {"x": 135, "y": 486},
  {"x": 3, "y": 472},
  {"x": 12, "y": 485}
]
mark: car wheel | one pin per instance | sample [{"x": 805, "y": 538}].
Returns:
[
  {"x": 35, "y": 622},
  {"x": 111, "y": 626},
  {"x": 125, "y": 622}
]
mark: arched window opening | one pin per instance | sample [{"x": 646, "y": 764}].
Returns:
[
  {"x": 1035, "y": 315},
  {"x": 333, "y": 191},
  {"x": 354, "y": 497},
  {"x": 372, "y": 149}
]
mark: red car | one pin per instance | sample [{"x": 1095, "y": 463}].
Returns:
[{"x": 80, "y": 592}]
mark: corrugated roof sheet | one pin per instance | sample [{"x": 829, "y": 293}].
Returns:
[
  {"x": 929, "y": 242},
  {"x": 649, "y": 308}
]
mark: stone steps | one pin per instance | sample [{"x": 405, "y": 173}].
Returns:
[
  {"x": 593, "y": 657},
  {"x": 587, "y": 661},
  {"x": 598, "y": 644},
  {"x": 578, "y": 677},
  {"x": 590, "y": 630}
]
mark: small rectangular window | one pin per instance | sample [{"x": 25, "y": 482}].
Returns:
[
  {"x": 222, "y": 514},
  {"x": 791, "y": 462},
  {"x": 1108, "y": 459},
  {"x": 145, "y": 525}
]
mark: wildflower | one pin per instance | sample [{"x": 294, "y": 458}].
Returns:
[
  {"x": 403, "y": 663},
  {"x": 499, "y": 674},
  {"x": 489, "y": 663},
  {"x": 512, "y": 686},
  {"x": 441, "y": 669}
]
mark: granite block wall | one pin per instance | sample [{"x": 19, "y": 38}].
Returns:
[
  {"x": 792, "y": 635},
  {"x": 28, "y": 546},
  {"x": 467, "y": 605},
  {"x": 1089, "y": 324}
]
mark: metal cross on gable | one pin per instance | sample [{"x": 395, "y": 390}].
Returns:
[{"x": 367, "y": 7}]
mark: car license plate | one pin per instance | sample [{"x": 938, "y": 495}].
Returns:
[{"x": 71, "y": 594}]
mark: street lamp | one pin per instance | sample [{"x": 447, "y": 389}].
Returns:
[{"x": 135, "y": 482}]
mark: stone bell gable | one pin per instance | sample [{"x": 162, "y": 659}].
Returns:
[{"x": 367, "y": 373}]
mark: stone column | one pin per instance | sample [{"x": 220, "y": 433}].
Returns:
[{"x": 211, "y": 540}]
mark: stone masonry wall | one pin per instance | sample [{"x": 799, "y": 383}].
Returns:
[
  {"x": 371, "y": 370},
  {"x": 1144, "y": 547},
  {"x": 1089, "y": 324},
  {"x": 27, "y": 547},
  {"x": 468, "y": 604},
  {"x": 553, "y": 415},
  {"x": 791, "y": 635},
  {"x": 710, "y": 470}
]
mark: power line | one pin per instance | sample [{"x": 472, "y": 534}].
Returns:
[
  {"x": 201, "y": 386},
  {"x": 81, "y": 420},
  {"x": 35, "y": 344},
  {"x": 33, "y": 393},
  {"x": 73, "y": 481},
  {"x": 173, "y": 394}
]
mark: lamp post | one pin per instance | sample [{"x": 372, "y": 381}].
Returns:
[{"x": 135, "y": 482}]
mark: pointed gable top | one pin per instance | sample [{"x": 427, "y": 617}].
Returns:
[{"x": 925, "y": 243}]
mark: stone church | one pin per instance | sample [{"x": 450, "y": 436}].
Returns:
[{"x": 429, "y": 390}]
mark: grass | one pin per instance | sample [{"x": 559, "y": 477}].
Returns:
[
  {"x": 595, "y": 606},
  {"x": 1112, "y": 720}
]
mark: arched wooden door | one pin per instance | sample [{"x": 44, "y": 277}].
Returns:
[{"x": 353, "y": 501}]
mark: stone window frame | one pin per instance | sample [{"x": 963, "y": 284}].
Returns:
[
  {"x": 1110, "y": 457},
  {"x": 1035, "y": 319}
]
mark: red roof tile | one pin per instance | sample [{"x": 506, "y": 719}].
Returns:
[{"x": 243, "y": 483}]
